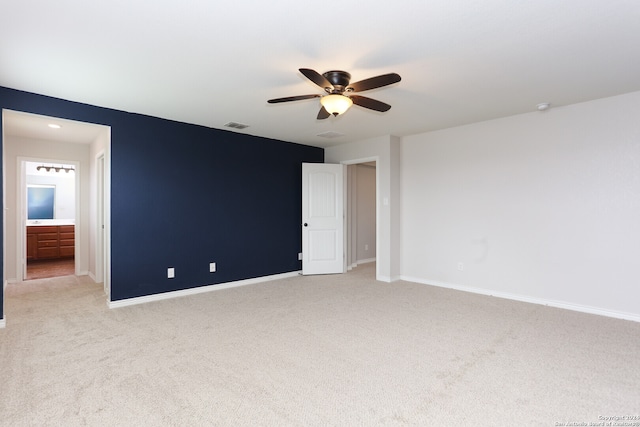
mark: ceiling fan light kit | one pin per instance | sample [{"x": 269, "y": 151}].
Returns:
[
  {"x": 336, "y": 85},
  {"x": 336, "y": 104}
]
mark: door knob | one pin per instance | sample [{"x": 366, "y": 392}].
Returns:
[{"x": 305, "y": 224}]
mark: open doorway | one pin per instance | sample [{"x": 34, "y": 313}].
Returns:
[
  {"x": 68, "y": 144},
  {"x": 361, "y": 213},
  {"x": 324, "y": 214},
  {"x": 48, "y": 199}
]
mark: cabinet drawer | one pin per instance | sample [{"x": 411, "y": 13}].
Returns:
[
  {"x": 67, "y": 236},
  {"x": 47, "y": 236},
  {"x": 67, "y": 228},
  {"x": 48, "y": 252},
  {"x": 47, "y": 244},
  {"x": 67, "y": 251},
  {"x": 42, "y": 229},
  {"x": 67, "y": 242}
]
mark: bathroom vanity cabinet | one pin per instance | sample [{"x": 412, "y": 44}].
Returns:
[{"x": 50, "y": 242}]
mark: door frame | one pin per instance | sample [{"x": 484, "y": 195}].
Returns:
[
  {"x": 348, "y": 224},
  {"x": 352, "y": 213},
  {"x": 100, "y": 225},
  {"x": 105, "y": 166},
  {"x": 21, "y": 218}
]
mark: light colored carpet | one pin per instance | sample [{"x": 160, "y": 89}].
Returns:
[{"x": 340, "y": 350}]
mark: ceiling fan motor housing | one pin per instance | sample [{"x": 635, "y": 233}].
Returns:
[{"x": 339, "y": 80}]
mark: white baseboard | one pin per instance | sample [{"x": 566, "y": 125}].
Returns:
[
  {"x": 388, "y": 279},
  {"x": 523, "y": 298},
  {"x": 11, "y": 281},
  {"x": 3, "y": 323},
  {"x": 198, "y": 290},
  {"x": 361, "y": 261}
]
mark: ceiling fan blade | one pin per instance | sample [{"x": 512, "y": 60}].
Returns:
[
  {"x": 374, "y": 82},
  {"x": 323, "y": 114},
  {"x": 292, "y": 98},
  {"x": 316, "y": 77},
  {"x": 369, "y": 103}
]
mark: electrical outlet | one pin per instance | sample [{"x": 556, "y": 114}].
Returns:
[
  {"x": 299, "y": 256},
  {"x": 460, "y": 266},
  {"x": 212, "y": 267},
  {"x": 171, "y": 273}
]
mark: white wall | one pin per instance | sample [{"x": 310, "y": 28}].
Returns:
[
  {"x": 543, "y": 207},
  {"x": 30, "y": 149}
]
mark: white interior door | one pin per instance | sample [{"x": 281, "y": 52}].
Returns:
[{"x": 322, "y": 218}]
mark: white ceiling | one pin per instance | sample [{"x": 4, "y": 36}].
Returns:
[
  {"x": 37, "y": 127},
  {"x": 210, "y": 62}
]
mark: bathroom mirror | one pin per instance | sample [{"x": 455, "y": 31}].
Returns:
[{"x": 41, "y": 201}]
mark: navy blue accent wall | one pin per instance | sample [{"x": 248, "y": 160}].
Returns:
[{"x": 184, "y": 195}]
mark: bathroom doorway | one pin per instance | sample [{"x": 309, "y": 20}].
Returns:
[{"x": 49, "y": 228}]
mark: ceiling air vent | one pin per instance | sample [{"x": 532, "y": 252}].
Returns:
[
  {"x": 236, "y": 125},
  {"x": 330, "y": 134}
]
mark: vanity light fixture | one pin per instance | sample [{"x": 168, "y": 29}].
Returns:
[{"x": 56, "y": 168}]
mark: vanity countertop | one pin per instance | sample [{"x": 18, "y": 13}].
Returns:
[{"x": 41, "y": 222}]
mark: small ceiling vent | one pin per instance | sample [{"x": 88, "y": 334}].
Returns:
[
  {"x": 236, "y": 125},
  {"x": 330, "y": 134}
]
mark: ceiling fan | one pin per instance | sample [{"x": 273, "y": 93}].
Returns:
[{"x": 338, "y": 98}]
